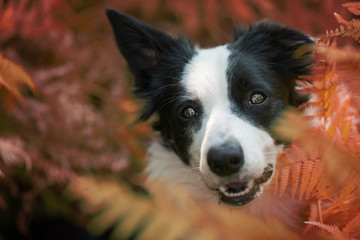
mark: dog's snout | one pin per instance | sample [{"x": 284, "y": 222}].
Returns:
[{"x": 226, "y": 159}]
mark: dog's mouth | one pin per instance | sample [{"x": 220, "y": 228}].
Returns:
[{"x": 239, "y": 193}]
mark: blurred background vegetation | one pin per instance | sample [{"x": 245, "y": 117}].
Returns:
[{"x": 81, "y": 118}]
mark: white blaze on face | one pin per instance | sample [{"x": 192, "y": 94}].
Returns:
[{"x": 205, "y": 79}]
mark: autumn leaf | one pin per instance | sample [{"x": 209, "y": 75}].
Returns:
[{"x": 12, "y": 77}]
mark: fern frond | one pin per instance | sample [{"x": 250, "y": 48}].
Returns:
[
  {"x": 295, "y": 176},
  {"x": 284, "y": 179},
  {"x": 347, "y": 195},
  {"x": 12, "y": 76},
  {"x": 308, "y": 166},
  {"x": 316, "y": 174},
  {"x": 346, "y": 130},
  {"x": 350, "y": 29},
  {"x": 353, "y": 225},
  {"x": 298, "y": 159},
  {"x": 353, "y": 7},
  {"x": 338, "y": 120},
  {"x": 353, "y": 140},
  {"x": 330, "y": 228},
  {"x": 329, "y": 174},
  {"x": 313, "y": 216},
  {"x": 312, "y": 104},
  {"x": 340, "y": 55},
  {"x": 170, "y": 213},
  {"x": 340, "y": 19}
]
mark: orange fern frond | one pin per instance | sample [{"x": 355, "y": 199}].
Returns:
[
  {"x": 346, "y": 130},
  {"x": 326, "y": 157},
  {"x": 308, "y": 167},
  {"x": 348, "y": 28},
  {"x": 311, "y": 90},
  {"x": 339, "y": 55},
  {"x": 339, "y": 118},
  {"x": 353, "y": 226},
  {"x": 353, "y": 7},
  {"x": 284, "y": 179},
  {"x": 295, "y": 175},
  {"x": 325, "y": 81},
  {"x": 315, "y": 175},
  {"x": 12, "y": 76},
  {"x": 298, "y": 158},
  {"x": 330, "y": 228},
  {"x": 345, "y": 199},
  {"x": 352, "y": 142},
  {"x": 313, "y": 216},
  {"x": 170, "y": 213},
  {"x": 340, "y": 19},
  {"x": 351, "y": 29},
  {"x": 276, "y": 179},
  {"x": 324, "y": 189},
  {"x": 312, "y": 104}
]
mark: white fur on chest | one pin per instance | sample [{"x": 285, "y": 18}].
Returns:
[{"x": 164, "y": 165}]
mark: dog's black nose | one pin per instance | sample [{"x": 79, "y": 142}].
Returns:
[{"x": 225, "y": 159}]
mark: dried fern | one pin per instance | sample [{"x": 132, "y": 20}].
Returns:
[
  {"x": 353, "y": 7},
  {"x": 327, "y": 170},
  {"x": 12, "y": 77},
  {"x": 353, "y": 225},
  {"x": 331, "y": 229},
  {"x": 348, "y": 28},
  {"x": 170, "y": 214}
]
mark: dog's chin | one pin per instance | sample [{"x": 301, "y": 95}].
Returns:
[{"x": 239, "y": 193}]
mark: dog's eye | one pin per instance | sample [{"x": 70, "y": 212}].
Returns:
[
  {"x": 257, "y": 98},
  {"x": 189, "y": 112}
]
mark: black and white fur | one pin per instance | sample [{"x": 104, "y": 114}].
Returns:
[{"x": 214, "y": 140}]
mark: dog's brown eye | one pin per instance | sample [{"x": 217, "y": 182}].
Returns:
[
  {"x": 189, "y": 112},
  {"x": 257, "y": 98}
]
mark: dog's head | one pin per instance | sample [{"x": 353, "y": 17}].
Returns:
[{"x": 215, "y": 106}]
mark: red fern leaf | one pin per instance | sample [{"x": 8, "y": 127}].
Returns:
[
  {"x": 306, "y": 176},
  {"x": 347, "y": 195},
  {"x": 353, "y": 7},
  {"x": 12, "y": 76},
  {"x": 281, "y": 178},
  {"x": 284, "y": 179},
  {"x": 340, "y": 19},
  {"x": 309, "y": 90},
  {"x": 295, "y": 176},
  {"x": 315, "y": 175},
  {"x": 346, "y": 130},
  {"x": 353, "y": 225},
  {"x": 312, "y": 104},
  {"x": 330, "y": 228},
  {"x": 324, "y": 190},
  {"x": 353, "y": 140},
  {"x": 313, "y": 217},
  {"x": 276, "y": 179},
  {"x": 338, "y": 120},
  {"x": 296, "y": 168}
]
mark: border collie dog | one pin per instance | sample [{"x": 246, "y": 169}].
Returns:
[{"x": 214, "y": 107}]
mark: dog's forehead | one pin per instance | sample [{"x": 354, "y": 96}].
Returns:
[{"x": 205, "y": 76}]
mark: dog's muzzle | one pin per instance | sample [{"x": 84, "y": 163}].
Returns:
[
  {"x": 226, "y": 162},
  {"x": 239, "y": 193}
]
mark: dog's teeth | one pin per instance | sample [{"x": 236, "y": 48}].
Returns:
[{"x": 224, "y": 190}]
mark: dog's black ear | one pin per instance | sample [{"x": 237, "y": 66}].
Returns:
[
  {"x": 153, "y": 56},
  {"x": 142, "y": 46},
  {"x": 287, "y": 51},
  {"x": 239, "y": 31}
]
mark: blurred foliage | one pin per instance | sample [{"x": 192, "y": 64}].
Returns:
[
  {"x": 170, "y": 214},
  {"x": 81, "y": 118}
]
